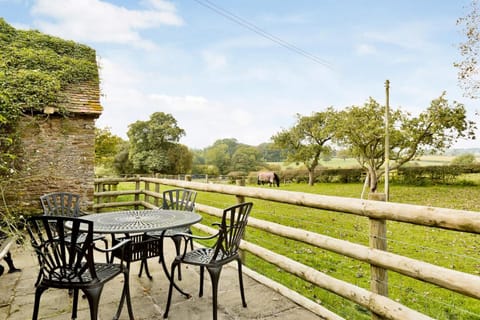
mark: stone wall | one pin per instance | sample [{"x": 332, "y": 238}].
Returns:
[
  {"x": 57, "y": 155},
  {"x": 57, "y": 151}
]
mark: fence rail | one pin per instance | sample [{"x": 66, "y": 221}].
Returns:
[{"x": 376, "y": 299}]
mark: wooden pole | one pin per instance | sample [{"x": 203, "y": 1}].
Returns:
[
  {"x": 147, "y": 188},
  {"x": 137, "y": 188},
  {"x": 378, "y": 240},
  {"x": 387, "y": 140},
  {"x": 241, "y": 199}
]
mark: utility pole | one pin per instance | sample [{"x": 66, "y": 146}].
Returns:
[{"x": 387, "y": 139}]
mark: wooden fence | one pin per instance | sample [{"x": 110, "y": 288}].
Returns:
[{"x": 376, "y": 299}]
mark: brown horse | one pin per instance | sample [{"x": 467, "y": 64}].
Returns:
[{"x": 268, "y": 177}]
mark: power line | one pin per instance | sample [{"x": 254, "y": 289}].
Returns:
[{"x": 246, "y": 24}]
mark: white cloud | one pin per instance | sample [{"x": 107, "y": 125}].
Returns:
[
  {"x": 214, "y": 60},
  {"x": 411, "y": 35},
  {"x": 365, "y": 49},
  {"x": 99, "y": 21}
]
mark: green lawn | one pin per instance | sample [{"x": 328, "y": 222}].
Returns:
[
  {"x": 445, "y": 248},
  {"x": 441, "y": 247}
]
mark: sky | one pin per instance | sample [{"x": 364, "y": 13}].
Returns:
[{"x": 245, "y": 69}]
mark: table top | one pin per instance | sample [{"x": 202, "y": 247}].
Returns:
[{"x": 133, "y": 221}]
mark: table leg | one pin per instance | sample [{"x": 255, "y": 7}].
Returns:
[
  {"x": 165, "y": 269},
  {"x": 143, "y": 264}
]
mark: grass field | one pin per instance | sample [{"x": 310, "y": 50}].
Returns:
[{"x": 445, "y": 248}]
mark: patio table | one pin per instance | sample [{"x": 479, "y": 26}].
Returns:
[{"x": 140, "y": 221}]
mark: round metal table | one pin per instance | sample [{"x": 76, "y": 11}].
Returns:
[
  {"x": 141, "y": 221},
  {"x": 135, "y": 221}
]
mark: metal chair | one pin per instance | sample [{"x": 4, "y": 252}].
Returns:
[
  {"x": 65, "y": 204},
  {"x": 225, "y": 250},
  {"x": 68, "y": 262},
  {"x": 176, "y": 199}
]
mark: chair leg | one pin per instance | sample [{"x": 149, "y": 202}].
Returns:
[
  {"x": 93, "y": 297},
  {"x": 240, "y": 279},
  {"x": 38, "y": 293},
  {"x": 75, "y": 303},
  {"x": 202, "y": 272},
  {"x": 170, "y": 289},
  {"x": 214, "y": 276}
]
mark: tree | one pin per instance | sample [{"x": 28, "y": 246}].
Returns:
[
  {"x": 245, "y": 159},
  {"x": 121, "y": 163},
  {"x": 218, "y": 156},
  {"x": 269, "y": 152},
  {"x": 150, "y": 142},
  {"x": 180, "y": 159},
  {"x": 362, "y": 130},
  {"x": 107, "y": 145},
  {"x": 307, "y": 140},
  {"x": 468, "y": 68}
]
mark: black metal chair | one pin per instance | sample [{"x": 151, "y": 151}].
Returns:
[
  {"x": 68, "y": 262},
  {"x": 225, "y": 250},
  {"x": 176, "y": 199},
  {"x": 65, "y": 204}
]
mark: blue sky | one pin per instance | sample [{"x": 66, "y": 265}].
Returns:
[{"x": 221, "y": 79}]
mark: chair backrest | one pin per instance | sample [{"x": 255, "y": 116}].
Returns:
[
  {"x": 65, "y": 204},
  {"x": 179, "y": 199},
  {"x": 63, "y": 255},
  {"x": 231, "y": 230}
]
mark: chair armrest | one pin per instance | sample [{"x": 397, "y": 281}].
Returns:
[
  {"x": 189, "y": 236},
  {"x": 115, "y": 247},
  {"x": 119, "y": 246},
  {"x": 82, "y": 213}
]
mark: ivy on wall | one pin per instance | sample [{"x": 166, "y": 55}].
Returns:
[{"x": 34, "y": 70}]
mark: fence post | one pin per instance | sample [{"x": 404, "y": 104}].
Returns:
[
  {"x": 378, "y": 240},
  {"x": 147, "y": 188},
  {"x": 137, "y": 188},
  {"x": 241, "y": 199},
  {"x": 99, "y": 199},
  {"x": 240, "y": 182},
  {"x": 157, "y": 190}
]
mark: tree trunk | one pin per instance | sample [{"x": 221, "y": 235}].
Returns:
[
  {"x": 311, "y": 178},
  {"x": 373, "y": 180}
]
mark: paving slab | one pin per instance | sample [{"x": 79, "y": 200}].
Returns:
[{"x": 148, "y": 296}]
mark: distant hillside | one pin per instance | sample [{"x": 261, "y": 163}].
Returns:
[{"x": 456, "y": 152}]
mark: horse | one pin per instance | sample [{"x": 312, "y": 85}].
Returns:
[{"x": 268, "y": 177}]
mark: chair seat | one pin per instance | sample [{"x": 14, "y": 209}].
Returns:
[
  {"x": 68, "y": 278},
  {"x": 203, "y": 256}
]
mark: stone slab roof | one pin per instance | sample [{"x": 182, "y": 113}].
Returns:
[{"x": 82, "y": 99}]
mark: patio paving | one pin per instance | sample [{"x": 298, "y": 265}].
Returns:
[{"x": 148, "y": 296}]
